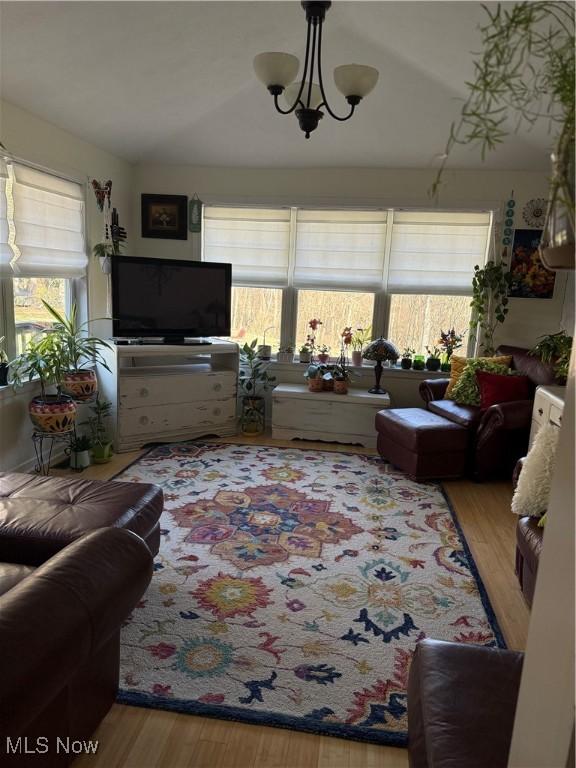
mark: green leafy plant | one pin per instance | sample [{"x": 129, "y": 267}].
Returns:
[
  {"x": 314, "y": 371},
  {"x": 108, "y": 248},
  {"x": 524, "y": 71},
  {"x": 408, "y": 353},
  {"x": 42, "y": 359},
  {"x": 81, "y": 443},
  {"x": 434, "y": 352},
  {"x": 96, "y": 423},
  {"x": 254, "y": 378},
  {"x": 286, "y": 349},
  {"x": 361, "y": 338},
  {"x": 489, "y": 303},
  {"x": 555, "y": 349},
  {"x": 76, "y": 347}
]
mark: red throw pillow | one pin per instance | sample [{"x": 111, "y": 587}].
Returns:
[{"x": 496, "y": 388}]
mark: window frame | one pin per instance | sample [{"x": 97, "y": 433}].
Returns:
[{"x": 382, "y": 297}]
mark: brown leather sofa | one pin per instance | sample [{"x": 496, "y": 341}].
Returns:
[
  {"x": 498, "y": 436},
  {"x": 529, "y": 540},
  {"x": 461, "y": 705},
  {"x": 60, "y": 640}
]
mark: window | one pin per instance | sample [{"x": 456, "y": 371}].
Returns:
[
  {"x": 416, "y": 320},
  {"x": 336, "y": 310},
  {"x": 256, "y": 312},
  {"x": 42, "y": 249},
  {"x": 407, "y": 274}
]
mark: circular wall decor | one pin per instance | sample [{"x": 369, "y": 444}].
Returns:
[{"x": 534, "y": 212}]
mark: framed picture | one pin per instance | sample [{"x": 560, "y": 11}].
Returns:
[
  {"x": 165, "y": 216},
  {"x": 530, "y": 278}
]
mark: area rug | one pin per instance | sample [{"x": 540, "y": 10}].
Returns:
[{"x": 292, "y": 587}]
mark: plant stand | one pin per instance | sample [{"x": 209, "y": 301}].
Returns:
[{"x": 43, "y": 454}]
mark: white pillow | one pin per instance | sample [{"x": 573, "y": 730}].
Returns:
[{"x": 533, "y": 489}]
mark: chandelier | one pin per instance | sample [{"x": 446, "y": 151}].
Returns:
[{"x": 307, "y": 98}]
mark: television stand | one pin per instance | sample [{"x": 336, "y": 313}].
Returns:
[
  {"x": 170, "y": 392},
  {"x": 182, "y": 341}
]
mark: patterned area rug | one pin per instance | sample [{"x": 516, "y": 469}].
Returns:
[{"x": 292, "y": 587}]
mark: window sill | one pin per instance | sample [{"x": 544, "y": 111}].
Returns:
[
  {"x": 28, "y": 389},
  {"x": 367, "y": 368}
]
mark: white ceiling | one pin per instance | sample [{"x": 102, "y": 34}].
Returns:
[{"x": 172, "y": 82}]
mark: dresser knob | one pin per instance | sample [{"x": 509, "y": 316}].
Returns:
[
  {"x": 143, "y": 419},
  {"x": 540, "y": 411},
  {"x": 216, "y": 412},
  {"x": 143, "y": 392},
  {"x": 217, "y": 387}
]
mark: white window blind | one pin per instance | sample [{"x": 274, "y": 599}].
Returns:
[
  {"x": 256, "y": 241},
  {"x": 340, "y": 249},
  {"x": 48, "y": 239},
  {"x": 436, "y": 252},
  {"x": 5, "y": 251}
]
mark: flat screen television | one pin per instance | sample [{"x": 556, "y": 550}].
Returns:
[{"x": 170, "y": 298}]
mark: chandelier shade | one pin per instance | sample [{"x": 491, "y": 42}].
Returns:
[{"x": 307, "y": 98}]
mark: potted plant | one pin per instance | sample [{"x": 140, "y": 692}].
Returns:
[
  {"x": 313, "y": 325},
  {"x": 433, "y": 361},
  {"x": 314, "y": 374},
  {"x": 105, "y": 251},
  {"x": 449, "y": 341},
  {"x": 359, "y": 341},
  {"x": 489, "y": 302},
  {"x": 406, "y": 358},
  {"x": 555, "y": 350},
  {"x": 328, "y": 378},
  {"x": 265, "y": 350},
  {"x": 323, "y": 353},
  {"x": 77, "y": 349},
  {"x": 100, "y": 437},
  {"x": 3, "y": 364},
  {"x": 285, "y": 354},
  {"x": 80, "y": 452},
  {"x": 418, "y": 363},
  {"x": 525, "y": 72},
  {"x": 254, "y": 381},
  {"x": 42, "y": 360},
  {"x": 304, "y": 354}
]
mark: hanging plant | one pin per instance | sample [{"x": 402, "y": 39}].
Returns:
[
  {"x": 524, "y": 72},
  {"x": 489, "y": 303}
]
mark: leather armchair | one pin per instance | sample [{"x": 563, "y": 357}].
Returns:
[{"x": 498, "y": 436}]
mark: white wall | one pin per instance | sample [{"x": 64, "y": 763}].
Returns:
[
  {"x": 527, "y": 319},
  {"x": 35, "y": 140}
]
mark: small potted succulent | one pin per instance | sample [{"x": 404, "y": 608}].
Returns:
[
  {"x": 323, "y": 353},
  {"x": 80, "y": 453},
  {"x": 3, "y": 364},
  {"x": 285, "y": 355},
  {"x": 406, "y": 358},
  {"x": 359, "y": 341},
  {"x": 100, "y": 437},
  {"x": 418, "y": 363},
  {"x": 314, "y": 375},
  {"x": 254, "y": 382},
  {"x": 433, "y": 361}
]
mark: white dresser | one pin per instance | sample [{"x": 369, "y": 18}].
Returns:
[
  {"x": 548, "y": 407},
  {"x": 299, "y": 413}
]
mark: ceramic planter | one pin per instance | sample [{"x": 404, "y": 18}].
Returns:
[
  {"x": 357, "y": 358},
  {"x": 285, "y": 357},
  {"x": 406, "y": 363},
  {"x": 53, "y": 413},
  {"x": 3, "y": 374},
  {"x": 264, "y": 352},
  {"x": 79, "y": 460},
  {"x": 102, "y": 454},
  {"x": 316, "y": 385},
  {"x": 433, "y": 364},
  {"x": 324, "y": 357},
  {"x": 340, "y": 387},
  {"x": 81, "y": 385},
  {"x": 305, "y": 357},
  {"x": 253, "y": 416},
  {"x": 106, "y": 264}
]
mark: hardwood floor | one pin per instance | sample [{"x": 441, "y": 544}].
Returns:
[{"x": 132, "y": 737}]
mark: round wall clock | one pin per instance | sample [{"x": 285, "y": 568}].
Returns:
[{"x": 534, "y": 212}]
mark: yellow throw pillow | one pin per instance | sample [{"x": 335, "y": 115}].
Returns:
[{"x": 459, "y": 363}]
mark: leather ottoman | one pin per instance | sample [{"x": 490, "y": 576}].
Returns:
[
  {"x": 39, "y": 516},
  {"x": 422, "y": 444},
  {"x": 461, "y": 705}
]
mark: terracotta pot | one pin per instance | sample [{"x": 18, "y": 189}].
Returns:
[
  {"x": 81, "y": 385},
  {"x": 328, "y": 385},
  {"x": 53, "y": 413},
  {"x": 316, "y": 385},
  {"x": 340, "y": 387},
  {"x": 324, "y": 357},
  {"x": 357, "y": 358}
]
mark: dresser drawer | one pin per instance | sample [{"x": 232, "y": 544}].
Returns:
[
  {"x": 327, "y": 416},
  {"x": 541, "y": 408},
  {"x": 170, "y": 418},
  {"x": 140, "y": 391}
]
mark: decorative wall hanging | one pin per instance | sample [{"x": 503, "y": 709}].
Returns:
[
  {"x": 534, "y": 212},
  {"x": 164, "y": 216},
  {"x": 529, "y": 277},
  {"x": 103, "y": 192},
  {"x": 195, "y": 214}
]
